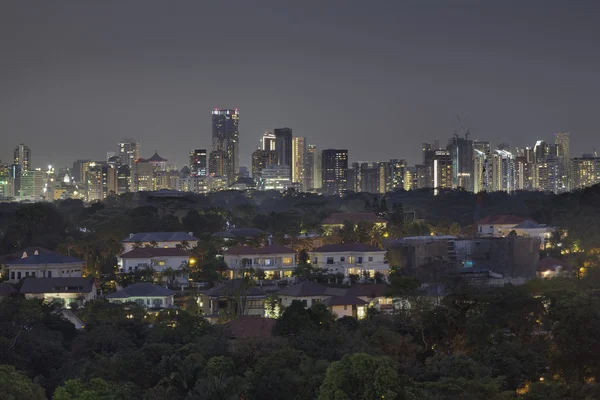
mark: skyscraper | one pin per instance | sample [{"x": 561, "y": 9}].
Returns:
[
  {"x": 561, "y": 140},
  {"x": 260, "y": 160},
  {"x": 311, "y": 155},
  {"x": 198, "y": 162},
  {"x": 225, "y": 139},
  {"x": 283, "y": 147},
  {"x": 503, "y": 168},
  {"x": 586, "y": 171},
  {"x": 299, "y": 161},
  {"x": 461, "y": 153},
  {"x": 129, "y": 151},
  {"x": 268, "y": 141},
  {"x": 442, "y": 170},
  {"x": 22, "y": 157},
  {"x": 334, "y": 171}
]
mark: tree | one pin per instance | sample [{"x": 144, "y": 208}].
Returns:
[
  {"x": 221, "y": 382},
  {"x": 294, "y": 319},
  {"x": 17, "y": 386},
  {"x": 95, "y": 389},
  {"x": 362, "y": 377}
]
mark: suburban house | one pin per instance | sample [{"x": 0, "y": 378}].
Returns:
[
  {"x": 7, "y": 290},
  {"x": 233, "y": 298},
  {"x": 44, "y": 265},
  {"x": 172, "y": 260},
  {"x": 163, "y": 240},
  {"x": 336, "y": 221},
  {"x": 308, "y": 293},
  {"x": 350, "y": 259},
  {"x": 60, "y": 290},
  {"x": 352, "y": 301},
  {"x": 276, "y": 261},
  {"x": 145, "y": 294},
  {"x": 503, "y": 225}
]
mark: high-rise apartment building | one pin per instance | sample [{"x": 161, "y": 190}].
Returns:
[
  {"x": 547, "y": 175},
  {"x": 32, "y": 185},
  {"x": 481, "y": 171},
  {"x": 198, "y": 162},
  {"x": 225, "y": 139},
  {"x": 218, "y": 164},
  {"x": 540, "y": 151},
  {"x": 563, "y": 152},
  {"x": 283, "y": 147},
  {"x": 311, "y": 156},
  {"x": 586, "y": 171},
  {"x": 79, "y": 169},
  {"x": 502, "y": 171},
  {"x": 268, "y": 141},
  {"x": 22, "y": 157},
  {"x": 129, "y": 151},
  {"x": 299, "y": 161},
  {"x": 523, "y": 174},
  {"x": 334, "y": 171},
  {"x": 410, "y": 178},
  {"x": 442, "y": 170},
  {"x": 398, "y": 174}
]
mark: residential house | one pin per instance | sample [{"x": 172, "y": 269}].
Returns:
[
  {"x": 503, "y": 225},
  {"x": 308, "y": 293},
  {"x": 350, "y": 259},
  {"x": 233, "y": 299},
  {"x": 347, "y": 305},
  {"x": 162, "y": 260},
  {"x": 64, "y": 291},
  {"x": 145, "y": 294},
  {"x": 161, "y": 239},
  {"x": 276, "y": 261},
  {"x": 44, "y": 265},
  {"x": 336, "y": 221}
]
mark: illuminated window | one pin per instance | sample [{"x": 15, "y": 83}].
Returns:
[
  {"x": 287, "y": 260},
  {"x": 351, "y": 259},
  {"x": 161, "y": 263}
]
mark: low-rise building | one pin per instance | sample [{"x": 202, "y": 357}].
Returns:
[
  {"x": 233, "y": 299},
  {"x": 64, "y": 291},
  {"x": 170, "y": 260},
  {"x": 499, "y": 225},
  {"x": 144, "y": 294},
  {"x": 350, "y": 259},
  {"x": 160, "y": 239},
  {"x": 308, "y": 293},
  {"x": 44, "y": 264},
  {"x": 276, "y": 261}
]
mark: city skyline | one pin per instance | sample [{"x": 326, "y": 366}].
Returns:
[{"x": 340, "y": 66}]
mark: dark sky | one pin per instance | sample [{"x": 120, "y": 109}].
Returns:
[{"x": 377, "y": 77}]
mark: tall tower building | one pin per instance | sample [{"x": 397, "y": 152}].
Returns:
[
  {"x": 299, "y": 161},
  {"x": 561, "y": 140},
  {"x": 442, "y": 170},
  {"x": 129, "y": 151},
  {"x": 22, "y": 157},
  {"x": 586, "y": 171},
  {"x": 225, "y": 139},
  {"x": 502, "y": 171},
  {"x": 461, "y": 152},
  {"x": 283, "y": 147},
  {"x": 334, "y": 171},
  {"x": 309, "y": 168},
  {"x": 268, "y": 141},
  {"x": 198, "y": 162},
  {"x": 261, "y": 159}
]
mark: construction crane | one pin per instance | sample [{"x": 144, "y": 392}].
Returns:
[{"x": 461, "y": 128}]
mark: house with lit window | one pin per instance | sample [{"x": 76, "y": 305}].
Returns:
[
  {"x": 144, "y": 294},
  {"x": 350, "y": 259},
  {"x": 163, "y": 240},
  {"x": 277, "y": 262},
  {"x": 64, "y": 291},
  {"x": 43, "y": 264},
  {"x": 308, "y": 293},
  {"x": 173, "y": 261},
  {"x": 234, "y": 298}
]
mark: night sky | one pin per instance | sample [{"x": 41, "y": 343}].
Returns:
[{"x": 376, "y": 77}]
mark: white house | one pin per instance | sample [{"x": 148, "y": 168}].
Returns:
[
  {"x": 276, "y": 261},
  {"x": 60, "y": 290},
  {"x": 159, "y": 259},
  {"x": 44, "y": 264},
  {"x": 350, "y": 259},
  {"x": 145, "y": 294},
  {"x": 503, "y": 225},
  {"x": 165, "y": 240}
]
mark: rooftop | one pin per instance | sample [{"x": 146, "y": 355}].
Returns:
[
  {"x": 19, "y": 254},
  {"x": 343, "y": 247},
  {"x": 6, "y": 289},
  {"x": 246, "y": 250},
  {"x": 303, "y": 289},
  {"x": 160, "y": 237},
  {"x": 345, "y": 300},
  {"x": 141, "y": 289},
  {"x": 146, "y": 252},
  {"x": 48, "y": 257},
  {"x": 233, "y": 287},
  {"x": 503, "y": 220},
  {"x": 156, "y": 158},
  {"x": 57, "y": 285},
  {"x": 527, "y": 224},
  {"x": 340, "y": 218}
]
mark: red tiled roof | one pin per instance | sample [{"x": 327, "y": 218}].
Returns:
[
  {"x": 246, "y": 250},
  {"x": 148, "y": 252},
  {"x": 503, "y": 220},
  {"x": 340, "y": 218},
  {"x": 550, "y": 264},
  {"x": 250, "y": 326},
  {"x": 342, "y": 247}
]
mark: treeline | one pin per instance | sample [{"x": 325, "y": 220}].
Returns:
[{"x": 536, "y": 342}]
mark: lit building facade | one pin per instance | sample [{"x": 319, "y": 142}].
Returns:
[
  {"x": 442, "y": 170},
  {"x": 198, "y": 162},
  {"x": 22, "y": 157},
  {"x": 225, "y": 140},
  {"x": 283, "y": 147},
  {"x": 334, "y": 171},
  {"x": 129, "y": 151},
  {"x": 260, "y": 160},
  {"x": 502, "y": 171},
  {"x": 299, "y": 161},
  {"x": 586, "y": 171}
]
